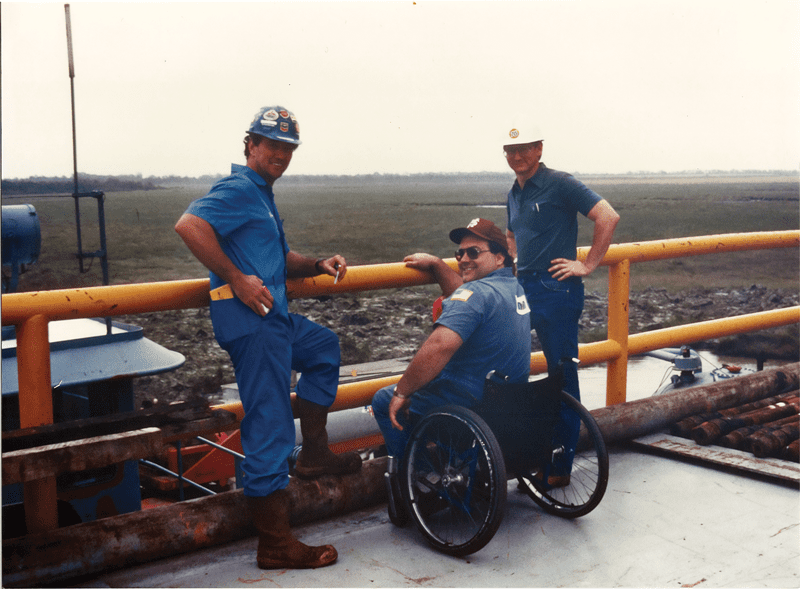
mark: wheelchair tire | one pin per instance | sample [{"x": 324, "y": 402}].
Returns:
[
  {"x": 588, "y": 479},
  {"x": 454, "y": 480}
]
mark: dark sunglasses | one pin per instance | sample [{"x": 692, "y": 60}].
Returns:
[{"x": 473, "y": 253}]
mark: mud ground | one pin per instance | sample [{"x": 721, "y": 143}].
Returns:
[{"x": 393, "y": 324}]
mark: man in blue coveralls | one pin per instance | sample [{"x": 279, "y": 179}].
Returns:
[
  {"x": 484, "y": 326},
  {"x": 236, "y": 232},
  {"x": 542, "y": 207}
]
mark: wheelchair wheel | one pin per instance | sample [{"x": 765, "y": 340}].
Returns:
[
  {"x": 587, "y": 482},
  {"x": 454, "y": 480}
]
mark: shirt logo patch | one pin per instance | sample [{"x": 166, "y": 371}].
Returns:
[
  {"x": 461, "y": 295},
  {"x": 522, "y": 305}
]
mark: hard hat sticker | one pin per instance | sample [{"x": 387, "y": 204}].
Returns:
[
  {"x": 514, "y": 133},
  {"x": 270, "y": 115}
]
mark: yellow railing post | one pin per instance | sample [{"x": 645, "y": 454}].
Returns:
[
  {"x": 619, "y": 287},
  {"x": 36, "y": 408}
]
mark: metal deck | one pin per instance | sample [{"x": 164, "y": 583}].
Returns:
[{"x": 663, "y": 522}]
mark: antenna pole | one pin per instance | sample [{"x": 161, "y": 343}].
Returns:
[{"x": 74, "y": 138}]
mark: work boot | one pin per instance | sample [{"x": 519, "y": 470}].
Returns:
[
  {"x": 277, "y": 546},
  {"x": 315, "y": 458}
]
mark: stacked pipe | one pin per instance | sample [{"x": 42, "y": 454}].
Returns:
[{"x": 768, "y": 427}]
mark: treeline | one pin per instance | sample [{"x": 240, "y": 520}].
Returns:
[{"x": 90, "y": 182}]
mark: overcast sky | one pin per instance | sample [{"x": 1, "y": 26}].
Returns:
[{"x": 403, "y": 87}]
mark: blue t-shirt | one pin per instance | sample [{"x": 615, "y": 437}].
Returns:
[
  {"x": 492, "y": 317},
  {"x": 241, "y": 209},
  {"x": 543, "y": 215}
]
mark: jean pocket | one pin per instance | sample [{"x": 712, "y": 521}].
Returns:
[{"x": 553, "y": 285}]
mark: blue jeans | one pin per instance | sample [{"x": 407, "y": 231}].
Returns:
[
  {"x": 556, "y": 308},
  {"x": 421, "y": 402},
  {"x": 263, "y": 362}
]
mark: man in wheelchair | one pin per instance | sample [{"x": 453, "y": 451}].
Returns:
[{"x": 484, "y": 325}]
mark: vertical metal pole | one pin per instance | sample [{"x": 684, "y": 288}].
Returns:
[
  {"x": 74, "y": 138},
  {"x": 36, "y": 408},
  {"x": 101, "y": 218},
  {"x": 619, "y": 289}
]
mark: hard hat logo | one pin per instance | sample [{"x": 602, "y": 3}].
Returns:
[
  {"x": 523, "y": 130},
  {"x": 270, "y": 115}
]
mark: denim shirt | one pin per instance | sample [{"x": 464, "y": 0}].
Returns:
[
  {"x": 543, "y": 215},
  {"x": 492, "y": 317},
  {"x": 241, "y": 209}
]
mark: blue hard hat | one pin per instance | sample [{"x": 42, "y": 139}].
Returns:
[{"x": 278, "y": 123}]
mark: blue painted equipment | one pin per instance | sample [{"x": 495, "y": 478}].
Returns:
[
  {"x": 93, "y": 363},
  {"x": 22, "y": 241}
]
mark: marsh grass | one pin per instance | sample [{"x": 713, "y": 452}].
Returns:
[{"x": 372, "y": 220}]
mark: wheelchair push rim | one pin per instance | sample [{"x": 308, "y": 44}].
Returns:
[
  {"x": 587, "y": 480},
  {"x": 454, "y": 480}
]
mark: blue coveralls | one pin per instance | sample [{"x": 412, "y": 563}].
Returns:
[
  {"x": 543, "y": 215},
  {"x": 264, "y": 350},
  {"x": 491, "y": 317}
]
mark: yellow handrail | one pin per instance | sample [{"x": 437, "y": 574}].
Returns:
[{"x": 32, "y": 311}]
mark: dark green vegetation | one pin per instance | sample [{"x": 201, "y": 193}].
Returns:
[{"x": 376, "y": 219}]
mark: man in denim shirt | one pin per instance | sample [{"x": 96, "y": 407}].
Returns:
[
  {"x": 236, "y": 232},
  {"x": 483, "y": 326},
  {"x": 542, "y": 207}
]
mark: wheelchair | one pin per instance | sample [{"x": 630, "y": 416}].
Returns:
[{"x": 453, "y": 479}]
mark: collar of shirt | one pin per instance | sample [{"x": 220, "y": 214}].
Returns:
[
  {"x": 251, "y": 175},
  {"x": 499, "y": 273},
  {"x": 534, "y": 181}
]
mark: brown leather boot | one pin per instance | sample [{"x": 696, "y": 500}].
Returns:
[
  {"x": 316, "y": 459},
  {"x": 277, "y": 546}
]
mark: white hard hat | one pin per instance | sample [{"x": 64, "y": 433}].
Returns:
[{"x": 522, "y": 130}]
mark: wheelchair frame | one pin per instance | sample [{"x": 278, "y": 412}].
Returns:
[{"x": 453, "y": 479}]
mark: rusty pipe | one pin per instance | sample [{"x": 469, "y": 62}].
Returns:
[
  {"x": 738, "y": 438},
  {"x": 709, "y": 431},
  {"x": 792, "y": 452},
  {"x": 142, "y": 536},
  {"x": 644, "y": 416},
  {"x": 684, "y": 427},
  {"x": 763, "y": 444}
]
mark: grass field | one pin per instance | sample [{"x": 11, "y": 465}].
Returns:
[{"x": 374, "y": 220}]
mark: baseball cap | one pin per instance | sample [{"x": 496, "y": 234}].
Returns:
[{"x": 484, "y": 229}]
